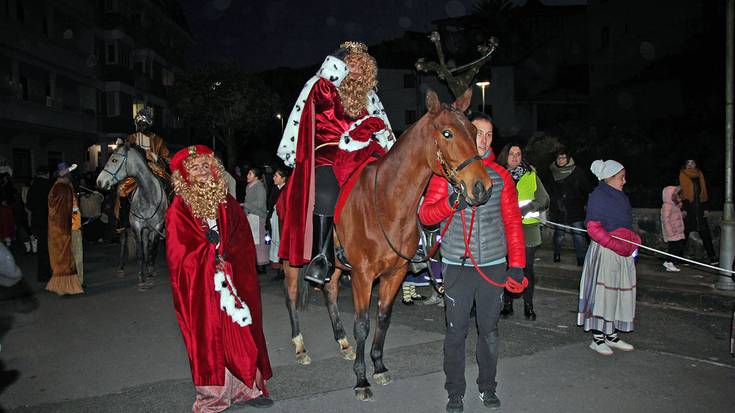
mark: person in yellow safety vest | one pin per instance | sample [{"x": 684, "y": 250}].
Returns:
[{"x": 532, "y": 199}]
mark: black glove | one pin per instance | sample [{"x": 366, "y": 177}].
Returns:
[
  {"x": 268, "y": 228},
  {"x": 526, "y": 209},
  {"x": 516, "y": 274},
  {"x": 453, "y": 197}
]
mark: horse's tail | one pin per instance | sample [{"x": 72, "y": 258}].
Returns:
[{"x": 302, "y": 291}]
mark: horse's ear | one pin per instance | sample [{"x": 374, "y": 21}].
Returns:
[
  {"x": 463, "y": 102},
  {"x": 432, "y": 102}
]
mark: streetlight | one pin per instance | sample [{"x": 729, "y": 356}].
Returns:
[
  {"x": 482, "y": 86},
  {"x": 727, "y": 232},
  {"x": 280, "y": 117}
]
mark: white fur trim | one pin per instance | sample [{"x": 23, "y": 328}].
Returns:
[
  {"x": 227, "y": 301},
  {"x": 384, "y": 137},
  {"x": 333, "y": 70}
]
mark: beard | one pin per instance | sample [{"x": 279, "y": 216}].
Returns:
[{"x": 203, "y": 198}]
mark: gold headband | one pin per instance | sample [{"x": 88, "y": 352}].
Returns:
[{"x": 354, "y": 47}]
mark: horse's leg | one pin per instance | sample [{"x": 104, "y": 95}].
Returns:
[
  {"x": 386, "y": 296},
  {"x": 290, "y": 290},
  {"x": 140, "y": 244},
  {"x": 331, "y": 293},
  {"x": 361, "y": 290},
  {"x": 123, "y": 253},
  {"x": 152, "y": 250}
]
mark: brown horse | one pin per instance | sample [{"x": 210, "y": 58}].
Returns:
[
  {"x": 378, "y": 225},
  {"x": 377, "y": 228}
]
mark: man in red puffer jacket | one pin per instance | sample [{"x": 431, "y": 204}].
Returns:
[{"x": 497, "y": 248}]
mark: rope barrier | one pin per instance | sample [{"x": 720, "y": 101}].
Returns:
[{"x": 545, "y": 222}]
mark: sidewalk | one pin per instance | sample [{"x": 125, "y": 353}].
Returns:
[{"x": 691, "y": 288}]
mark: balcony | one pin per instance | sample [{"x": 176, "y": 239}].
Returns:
[{"x": 47, "y": 114}]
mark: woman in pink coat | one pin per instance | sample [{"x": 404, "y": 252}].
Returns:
[{"x": 672, "y": 224}]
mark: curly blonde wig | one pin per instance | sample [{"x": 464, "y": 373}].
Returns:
[
  {"x": 354, "y": 89},
  {"x": 203, "y": 198}
]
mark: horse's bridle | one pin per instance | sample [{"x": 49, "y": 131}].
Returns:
[
  {"x": 114, "y": 175},
  {"x": 450, "y": 173}
]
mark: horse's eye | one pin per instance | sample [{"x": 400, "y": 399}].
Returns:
[
  {"x": 114, "y": 160},
  {"x": 447, "y": 134}
]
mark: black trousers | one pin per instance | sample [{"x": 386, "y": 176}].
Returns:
[
  {"x": 676, "y": 248},
  {"x": 530, "y": 273},
  {"x": 464, "y": 286},
  {"x": 695, "y": 221}
]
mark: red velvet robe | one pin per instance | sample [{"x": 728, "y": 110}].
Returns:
[
  {"x": 212, "y": 339},
  {"x": 323, "y": 121}
]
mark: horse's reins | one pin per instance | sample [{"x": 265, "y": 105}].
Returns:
[{"x": 116, "y": 180}]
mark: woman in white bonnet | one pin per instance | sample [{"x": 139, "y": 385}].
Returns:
[{"x": 608, "y": 286}]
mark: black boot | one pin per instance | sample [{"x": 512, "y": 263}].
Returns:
[
  {"x": 507, "y": 310},
  {"x": 528, "y": 311},
  {"x": 320, "y": 268},
  {"x": 557, "y": 257}
]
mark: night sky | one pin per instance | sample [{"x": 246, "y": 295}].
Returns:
[{"x": 268, "y": 34}]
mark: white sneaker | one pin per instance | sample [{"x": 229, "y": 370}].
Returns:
[
  {"x": 619, "y": 344},
  {"x": 670, "y": 267},
  {"x": 601, "y": 348}
]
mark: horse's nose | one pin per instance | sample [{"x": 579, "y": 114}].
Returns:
[{"x": 481, "y": 194}]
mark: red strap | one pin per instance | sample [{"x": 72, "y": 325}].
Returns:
[
  {"x": 344, "y": 193},
  {"x": 510, "y": 284}
]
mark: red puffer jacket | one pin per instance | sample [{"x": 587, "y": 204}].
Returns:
[{"x": 436, "y": 209}]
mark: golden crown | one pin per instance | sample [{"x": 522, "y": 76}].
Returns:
[{"x": 354, "y": 47}]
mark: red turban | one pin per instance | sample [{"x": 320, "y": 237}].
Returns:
[{"x": 177, "y": 162}]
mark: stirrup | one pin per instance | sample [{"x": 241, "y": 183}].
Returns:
[{"x": 318, "y": 270}]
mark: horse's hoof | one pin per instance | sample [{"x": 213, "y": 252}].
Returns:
[
  {"x": 382, "y": 378},
  {"x": 364, "y": 394},
  {"x": 303, "y": 359},
  {"x": 347, "y": 353}
]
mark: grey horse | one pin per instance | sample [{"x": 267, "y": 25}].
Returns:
[{"x": 147, "y": 207}]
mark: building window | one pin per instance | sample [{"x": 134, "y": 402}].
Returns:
[
  {"x": 167, "y": 77},
  {"x": 137, "y": 106},
  {"x": 604, "y": 37},
  {"x": 409, "y": 81},
  {"x": 140, "y": 65},
  {"x": 113, "y": 104},
  {"x": 410, "y": 116},
  {"x": 111, "y": 53}
]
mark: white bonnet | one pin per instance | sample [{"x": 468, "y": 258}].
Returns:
[{"x": 605, "y": 169}]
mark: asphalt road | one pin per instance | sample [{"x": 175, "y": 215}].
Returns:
[{"x": 115, "y": 349}]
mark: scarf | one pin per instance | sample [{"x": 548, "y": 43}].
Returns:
[
  {"x": 562, "y": 172},
  {"x": 686, "y": 181},
  {"x": 610, "y": 207},
  {"x": 518, "y": 172}
]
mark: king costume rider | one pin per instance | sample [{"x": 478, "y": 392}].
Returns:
[{"x": 337, "y": 123}]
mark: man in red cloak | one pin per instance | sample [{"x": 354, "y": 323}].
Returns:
[
  {"x": 216, "y": 294},
  {"x": 335, "y": 125}
]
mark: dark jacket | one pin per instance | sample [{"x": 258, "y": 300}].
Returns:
[
  {"x": 37, "y": 201},
  {"x": 569, "y": 197}
]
